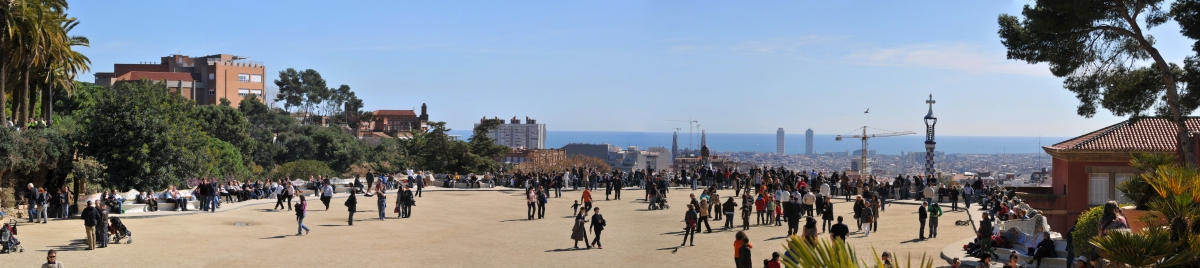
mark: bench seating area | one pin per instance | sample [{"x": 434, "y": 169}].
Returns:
[{"x": 1027, "y": 227}]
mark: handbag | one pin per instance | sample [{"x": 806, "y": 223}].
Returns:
[{"x": 396, "y": 210}]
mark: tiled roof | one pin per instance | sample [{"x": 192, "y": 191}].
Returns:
[
  {"x": 156, "y": 76},
  {"x": 1150, "y": 134},
  {"x": 394, "y": 113}
]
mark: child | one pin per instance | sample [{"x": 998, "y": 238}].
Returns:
[
  {"x": 746, "y": 216},
  {"x": 770, "y": 210},
  {"x": 575, "y": 207},
  {"x": 778, "y": 214}
]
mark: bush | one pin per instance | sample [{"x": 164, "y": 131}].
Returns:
[
  {"x": 303, "y": 169},
  {"x": 1086, "y": 228}
]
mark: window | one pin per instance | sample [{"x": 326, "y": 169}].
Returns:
[
  {"x": 1122, "y": 177},
  {"x": 243, "y": 92},
  {"x": 212, "y": 76},
  {"x": 243, "y": 78},
  {"x": 212, "y": 91},
  {"x": 1098, "y": 189},
  {"x": 256, "y": 78},
  {"x": 256, "y": 92}
]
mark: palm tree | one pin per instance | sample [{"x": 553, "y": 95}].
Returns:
[
  {"x": 36, "y": 32},
  {"x": 64, "y": 67},
  {"x": 1150, "y": 248},
  {"x": 835, "y": 253}
]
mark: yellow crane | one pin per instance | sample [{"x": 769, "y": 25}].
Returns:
[{"x": 864, "y": 170}]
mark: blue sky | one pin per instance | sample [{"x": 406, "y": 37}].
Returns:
[{"x": 736, "y": 67}]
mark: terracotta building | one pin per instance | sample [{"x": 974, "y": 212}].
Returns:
[
  {"x": 204, "y": 79},
  {"x": 1086, "y": 169},
  {"x": 395, "y": 123}
]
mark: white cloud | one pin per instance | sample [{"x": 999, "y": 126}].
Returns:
[{"x": 953, "y": 57}]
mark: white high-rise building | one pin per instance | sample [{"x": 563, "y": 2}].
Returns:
[
  {"x": 779, "y": 141},
  {"x": 515, "y": 134},
  {"x": 808, "y": 142}
]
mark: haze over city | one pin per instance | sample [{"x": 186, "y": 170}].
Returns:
[{"x": 630, "y": 66}]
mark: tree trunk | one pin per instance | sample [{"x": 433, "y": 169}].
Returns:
[
  {"x": 48, "y": 101},
  {"x": 1183, "y": 143},
  {"x": 3, "y": 87},
  {"x": 23, "y": 112}
]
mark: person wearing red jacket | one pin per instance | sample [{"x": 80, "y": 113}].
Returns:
[{"x": 760, "y": 205}]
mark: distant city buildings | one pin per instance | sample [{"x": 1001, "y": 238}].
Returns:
[
  {"x": 779, "y": 141},
  {"x": 516, "y": 134},
  {"x": 205, "y": 79},
  {"x": 808, "y": 142},
  {"x": 628, "y": 160}
]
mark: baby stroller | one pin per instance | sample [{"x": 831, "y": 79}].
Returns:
[
  {"x": 118, "y": 231},
  {"x": 8, "y": 238},
  {"x": 662, "y": 200}
]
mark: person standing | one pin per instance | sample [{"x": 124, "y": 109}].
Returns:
[
  {"x": 935, "y": 211},
  {"x": 690, "y": 230},
  {"x": 716, "y": 205},
  {"x": 381, "y": 198},
  {"x": 597, "y": 226},
  {"x": 703, "y": 216},
  {"x": 578, "y": 232},
  {"x": 875, "y": 207},
  {"x": 64, "y": 198},
  {"x": 531, "y": 203},
  {"x": 289, "y": 191},
  {"x": 301, "y": 211},
  {"x": 746, "y": 207},
  {"x": 326, "y": 195},
  {"x": 102, "y": 225},
  {"x": 279, "y": 196},
  {"x": 90, "y": 216},
  {"x": 407, "y": 202},
  {"x": 740, "y": 240},
  {"x": 953, "y": 198},
  {"x": 922, "y": 215},
  {"x": 968, "y": 193},
  {"x": 420, "y": 184},
  {"x": 729, "y": 207},
  {"x": 352, "y": 206},
  {"x": 617, "y": 189},
  {"x": 794, "y": 221}
]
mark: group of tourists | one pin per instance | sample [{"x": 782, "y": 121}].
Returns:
[{"x": 42, "y": 204}]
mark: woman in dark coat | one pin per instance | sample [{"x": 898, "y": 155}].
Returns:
[
  {"x": 351, "y": 205},
  {"x": 827, "y": 217},
  {"x": 579, "y": 232}
]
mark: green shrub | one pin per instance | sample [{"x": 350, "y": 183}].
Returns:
[
  {"x": 1085, "y": 229},
  {"x": 303, "y": 169}
]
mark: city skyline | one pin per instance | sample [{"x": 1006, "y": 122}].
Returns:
[{"x": 473, "y": 60}]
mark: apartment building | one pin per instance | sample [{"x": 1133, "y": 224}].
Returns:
[
  {"x": 516, "y": 134},
  {"x": 205, "y": 80}
]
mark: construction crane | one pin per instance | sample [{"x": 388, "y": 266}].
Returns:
[
  {"x": 690, "y": 122},
  {"x": 864, "y": 137}
]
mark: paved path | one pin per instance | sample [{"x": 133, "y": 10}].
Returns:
[{"x": 449, "y": 228}]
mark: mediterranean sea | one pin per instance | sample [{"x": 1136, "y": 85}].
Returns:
[{"x": 794, "y": 143}]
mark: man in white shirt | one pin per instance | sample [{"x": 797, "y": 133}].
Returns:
[
  {"x": 929, "y": 193},
  {"x": 326, "y": 195},
  {"x": 825, "y": 190},
  {"x": 809, "y": 200}
]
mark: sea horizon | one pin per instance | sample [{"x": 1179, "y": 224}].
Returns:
[{"x": 794, "y": 143}]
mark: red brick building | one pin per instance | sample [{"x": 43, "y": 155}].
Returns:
[
  {"x": 1086, "y": 169},
  {"x": 205, "y": 79}
]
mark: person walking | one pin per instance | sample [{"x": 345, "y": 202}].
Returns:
[
  {"x": 301, "y": 211},
  {"x": 728, "y": 208},
  {"x": 703, "y": 216},
  {"x": 43, "y": 201},
  {"x": 859, "y": 206},
  {"x": 279, "y": 196},
  {"x": 351, "y": 205},
  {"x": 793, "y": 220},
  {"x": 745, "y": 254},
  {"x": 90, "y": 216},
  {"x": 586, "y": 199},
  {"x": 542, "y": 198},
  {"x": 597, "y": 226},
  {"x": 65, "y": 197},
  {"x": 289, "y": 191},
  {"x": 827, "y": 216},
  {"x": 578, "y": 232},
  {"x": 867, "y": 219},
  {"x": 876, "y": 205},
  {"x": 617, "y": 188},
  {"x": 746, "y": 207},
  {"x": 968, "y": 193},
  {"x": 326, "y": 195},
  {"x": 839, "y": 230},
  {"x": 922, "y": 215},
  {"x": 530, "y": 203},
  {"x": 740, "y": 240},
  {"x": 381, "y": 198},
  {"x": 935, "y": 211},
  {"x": 690, "y": 218}
]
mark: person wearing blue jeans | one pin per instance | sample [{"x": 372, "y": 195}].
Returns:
[
  {"x": 382, "y": 199},
  {"x": 212, "y": 203},
  {"x": 301, "y": 211}
]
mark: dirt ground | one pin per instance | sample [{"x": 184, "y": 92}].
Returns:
[{"x": 449, "y": 228}]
